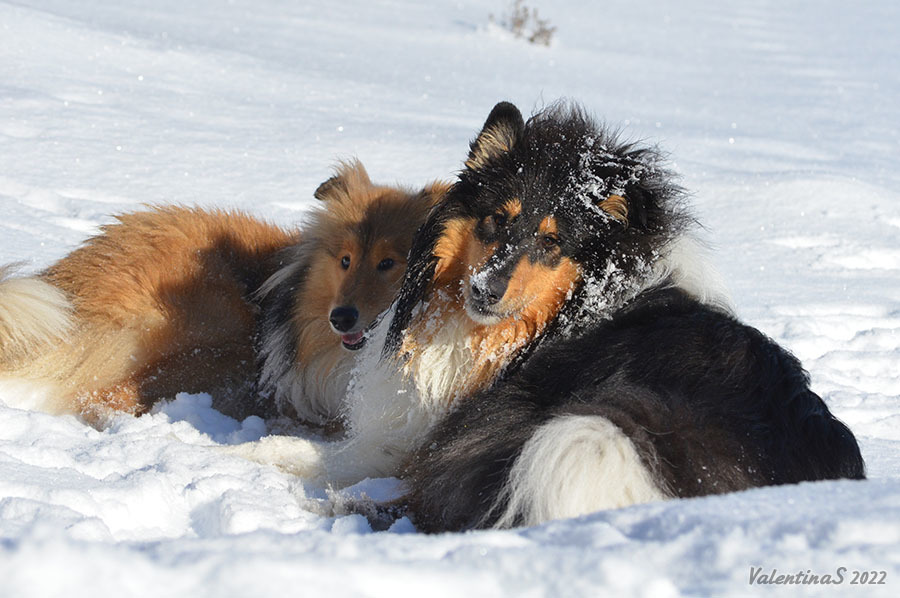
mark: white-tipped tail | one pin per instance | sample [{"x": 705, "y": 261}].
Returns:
[
  {"x": 32, "y": 313},
  {"x": 571, "y": 466}
]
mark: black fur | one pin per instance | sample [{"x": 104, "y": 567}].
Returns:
[
  {"x": 274, "y": 319},
  {"x": 710, "y": 404},
  {"x": 561, "y": 164}
]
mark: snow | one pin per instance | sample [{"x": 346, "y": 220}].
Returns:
[{"x": 782, "y": 117}]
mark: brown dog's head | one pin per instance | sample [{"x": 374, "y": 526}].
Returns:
[
  {"x": 330, "y": 286},
  {"x": 356, "y": 249}
]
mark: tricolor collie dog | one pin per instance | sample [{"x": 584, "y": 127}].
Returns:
[
  {"x": 176, "y": 299},
  {"x": 625, "y": 377},
  {"x": 558, "y": 347}
]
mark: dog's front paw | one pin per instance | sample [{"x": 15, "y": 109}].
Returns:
[{"x": 293, "y": 455}]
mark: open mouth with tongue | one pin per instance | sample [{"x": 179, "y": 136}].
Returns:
[{"x": 353, "y": 341}]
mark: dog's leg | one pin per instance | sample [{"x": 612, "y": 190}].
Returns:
[
  {"x": 339, "y": 464},
  {"x": 380, "y": 515},
  {"x": 293, "y": 455},
  {"x": 350, "y": 461}
]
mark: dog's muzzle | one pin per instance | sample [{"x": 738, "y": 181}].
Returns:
[{"x": 344, "y": 319}]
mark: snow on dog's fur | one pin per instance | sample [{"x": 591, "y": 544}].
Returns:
[
  {"x": 637, "y": 383},
  {"x": 176, "y": 299},
  {"x": 445, "y": 339},
  {"x": 558, "y": 347}
]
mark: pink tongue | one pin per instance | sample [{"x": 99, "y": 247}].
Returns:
[{"x": 352, "y": 339}]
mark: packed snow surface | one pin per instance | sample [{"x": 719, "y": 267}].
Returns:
[{"x": 782, "y": 117}]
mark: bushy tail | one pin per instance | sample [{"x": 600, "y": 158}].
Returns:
[
  {"x": 823, "y": 448},
  {"x": 32, "y": 313}
]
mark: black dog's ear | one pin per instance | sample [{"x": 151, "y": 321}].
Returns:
[
  {"x": 616, "y": 207},
  {"x": 641, "y": 201},
  {"x": 346, "y": 175},
  {"x": 630, "y": 209},
  {"x": 501, "y": 131}
]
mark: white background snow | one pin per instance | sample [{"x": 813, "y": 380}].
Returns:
[{"x": 783, "y": 117}]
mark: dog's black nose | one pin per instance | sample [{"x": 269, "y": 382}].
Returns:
[
  {"x": 489, "y": 291},
  {"x": 343, "y": 318}
]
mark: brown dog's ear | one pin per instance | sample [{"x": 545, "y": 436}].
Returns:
[
  {"x": 324, "y": 191},
  {"x": 434, "y": 192},
  {"x": 501, "y": 131},
  {"x": 346, "y": 175}
]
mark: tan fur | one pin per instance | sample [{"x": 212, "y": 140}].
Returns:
[
  {"x": 533, "y": 298},
  {"x": 512, "y": 208},
  {"x": 616, "y": 206},
  {"x": 548, "y": 226},
  {"x": 392, "y": 216},
  {"x": 451, "y": 253},
  {"x": 362, "y": 285},
  {"x": 159, "y": 306},
  {"x": 160, "y": 301},
  {"x": 492, "y": 142},
  {"x": 32, "y": 313}
]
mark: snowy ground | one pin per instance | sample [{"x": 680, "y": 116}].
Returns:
[{"x": 784, "y": 119}]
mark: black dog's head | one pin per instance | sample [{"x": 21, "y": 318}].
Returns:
[{"x": 550, "y": 214}]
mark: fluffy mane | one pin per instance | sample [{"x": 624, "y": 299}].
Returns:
[{"x": 618, "y": 196}]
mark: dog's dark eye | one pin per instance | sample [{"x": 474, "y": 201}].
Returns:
[
  {"x": 499, "y": 220},
  {"x": 345, "y": 262},
  {"x": 385, "y": 264},
  {"x": 549, "y": 241}
]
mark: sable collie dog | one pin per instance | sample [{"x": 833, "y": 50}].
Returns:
[
  {"x": 557, "y": 308},
  {"x": 178, "y": 299}
]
